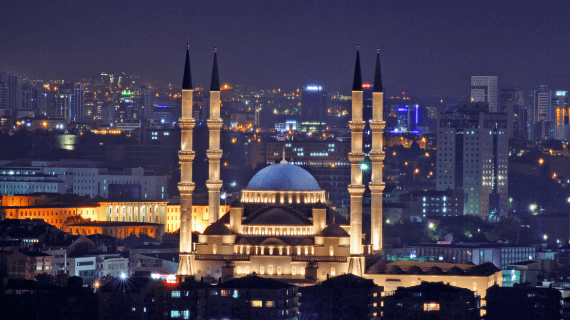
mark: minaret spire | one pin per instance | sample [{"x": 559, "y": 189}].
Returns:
[
  {"x": 357, "y": 82},
  {"x": 215, "y": 84},
  {"x": 378, "y": 74},
  {"x": 187, "y": 80}
]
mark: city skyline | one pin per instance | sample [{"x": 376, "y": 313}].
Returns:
[{"x": 301, "y": 43}]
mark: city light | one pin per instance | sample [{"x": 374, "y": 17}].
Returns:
[
  {"x": 364, "y": 167},
  {"x": 123, "y": 276}
]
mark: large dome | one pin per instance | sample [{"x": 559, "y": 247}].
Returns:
[{"x": 283, "y": 177}]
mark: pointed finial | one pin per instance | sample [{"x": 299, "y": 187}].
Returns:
[
  {"x": 283, "y": 161},
  {"x": 334, "y": 219},
  {"x": 357, "y": 46},
  {"x": 378, "y": 49},
  {"x": 357, "y": 81},
  {"x": 215, "y": 84},
  {"x": 378, "y": 74},
  {"x": 187, "y": 79}
]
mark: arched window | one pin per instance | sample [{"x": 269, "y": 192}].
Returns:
[
  {"x": 293, "y": 271},
  {"x": 279, "y": 270},
  {"x": 270, "y": 269},
  {"x": 331, "y": 250},
  {"x": 333, "y": 272},
  {"x": 262, "y": 270},
  {"x": 214, "y": 249}
]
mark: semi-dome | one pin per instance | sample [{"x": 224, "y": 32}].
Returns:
[{"x": 283, "y": 177}]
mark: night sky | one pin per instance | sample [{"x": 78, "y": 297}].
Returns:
[{"x": 428, "y": 47}]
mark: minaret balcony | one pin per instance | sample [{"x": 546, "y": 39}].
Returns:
[
  {"x": 377, "y": 187},
  {"x": 355, "y": 157},
  {"x": 377, "y": 125},
  {"x": 186, "y": 124},
  {"x": 356, "y": 125},
  {"x": 186, "y": 187},
  {"x": 377, "y": 156},
  {"x": 214, "y": 154},
  {"x": 215, "y": 124},
  {"x": 356, "y": 189},
  {"x": 186, "y": 156},
  {"x": 214, "y": 184}
]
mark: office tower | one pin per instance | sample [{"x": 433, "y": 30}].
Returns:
[
  {"x": 472, "y": 155},
  {"x": 214, "y": 153},
  {"x": 484, "y": 89},
  {"x": 314, "y": 106},
  {"x": 511, "y": 102},
  {"x": 560, "y": 105},
  {"x": 542, "y": 115},
  {"x": 145, "y": 99},
  {"x": 186, "y": 185},
  {"x": 408, "y": 119},
  {"x": 377, "y": 155}
]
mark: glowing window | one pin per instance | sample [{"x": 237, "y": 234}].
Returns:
[
  {"x": 175, "y": 314},
  {"x": 176, "y": 294},
  {"x": 225, "y": 293},
  {"x": 269, "y": 304},
  {"x": 256, "y": 303},
  {"x": 432, "y": 306}
]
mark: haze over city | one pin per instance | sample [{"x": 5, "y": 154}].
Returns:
[{"x": 428, "y": 48}]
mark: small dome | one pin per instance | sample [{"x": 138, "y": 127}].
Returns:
[
  {"x": 394, "y": 269},
  {"x": 283, "y": 177},
  {"x": 334, "y": 230},
  {"x": 456, "y": 271},
  {"x": 217, "y": 229},
  {"x": 435, "y": 270},
  {"x": 415, "y": 270}
]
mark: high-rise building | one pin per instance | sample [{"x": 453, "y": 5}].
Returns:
[
  {"x": 472, "y": 155},
  {"x": 541, "y": 114},
  {"x": 314, "y": 106},
  {"x": 511, "y": 102},
  {"x": 561, "y": 108},
  {"x": 484, "y": 89}
]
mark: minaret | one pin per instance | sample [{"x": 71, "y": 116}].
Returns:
[
  {"x": 214, "y": 153},
  {"x": 356, "y": 157},
  {"x": 186, "y": 185},
  {"x": 377, "y": 155}
]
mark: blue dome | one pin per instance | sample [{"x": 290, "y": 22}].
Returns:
[{"x": 283, "y": 177}]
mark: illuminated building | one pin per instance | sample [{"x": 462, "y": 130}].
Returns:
[
  {"x": 118, "y": 229},
  {"x": 282, "y": 227},
  {"x": 83, "y": 178},
  {"x": 431, "y": 300},
  {"x": 411, "y": 273},
  {"x": 472, "y": 155},
  {"x": 560, "y": 103},
  {"x": 314, "y": 106},
  {"x": 484, "y": 89}
]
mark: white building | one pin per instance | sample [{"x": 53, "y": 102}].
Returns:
[
  {"x": 83, "y": 178},
  {"x": 484, "y": 89}
]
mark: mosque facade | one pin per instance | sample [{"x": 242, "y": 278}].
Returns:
[{"x": 282, "y": 226}]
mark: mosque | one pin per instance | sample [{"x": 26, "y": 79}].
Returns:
[{"x": 281, "y": 226}]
